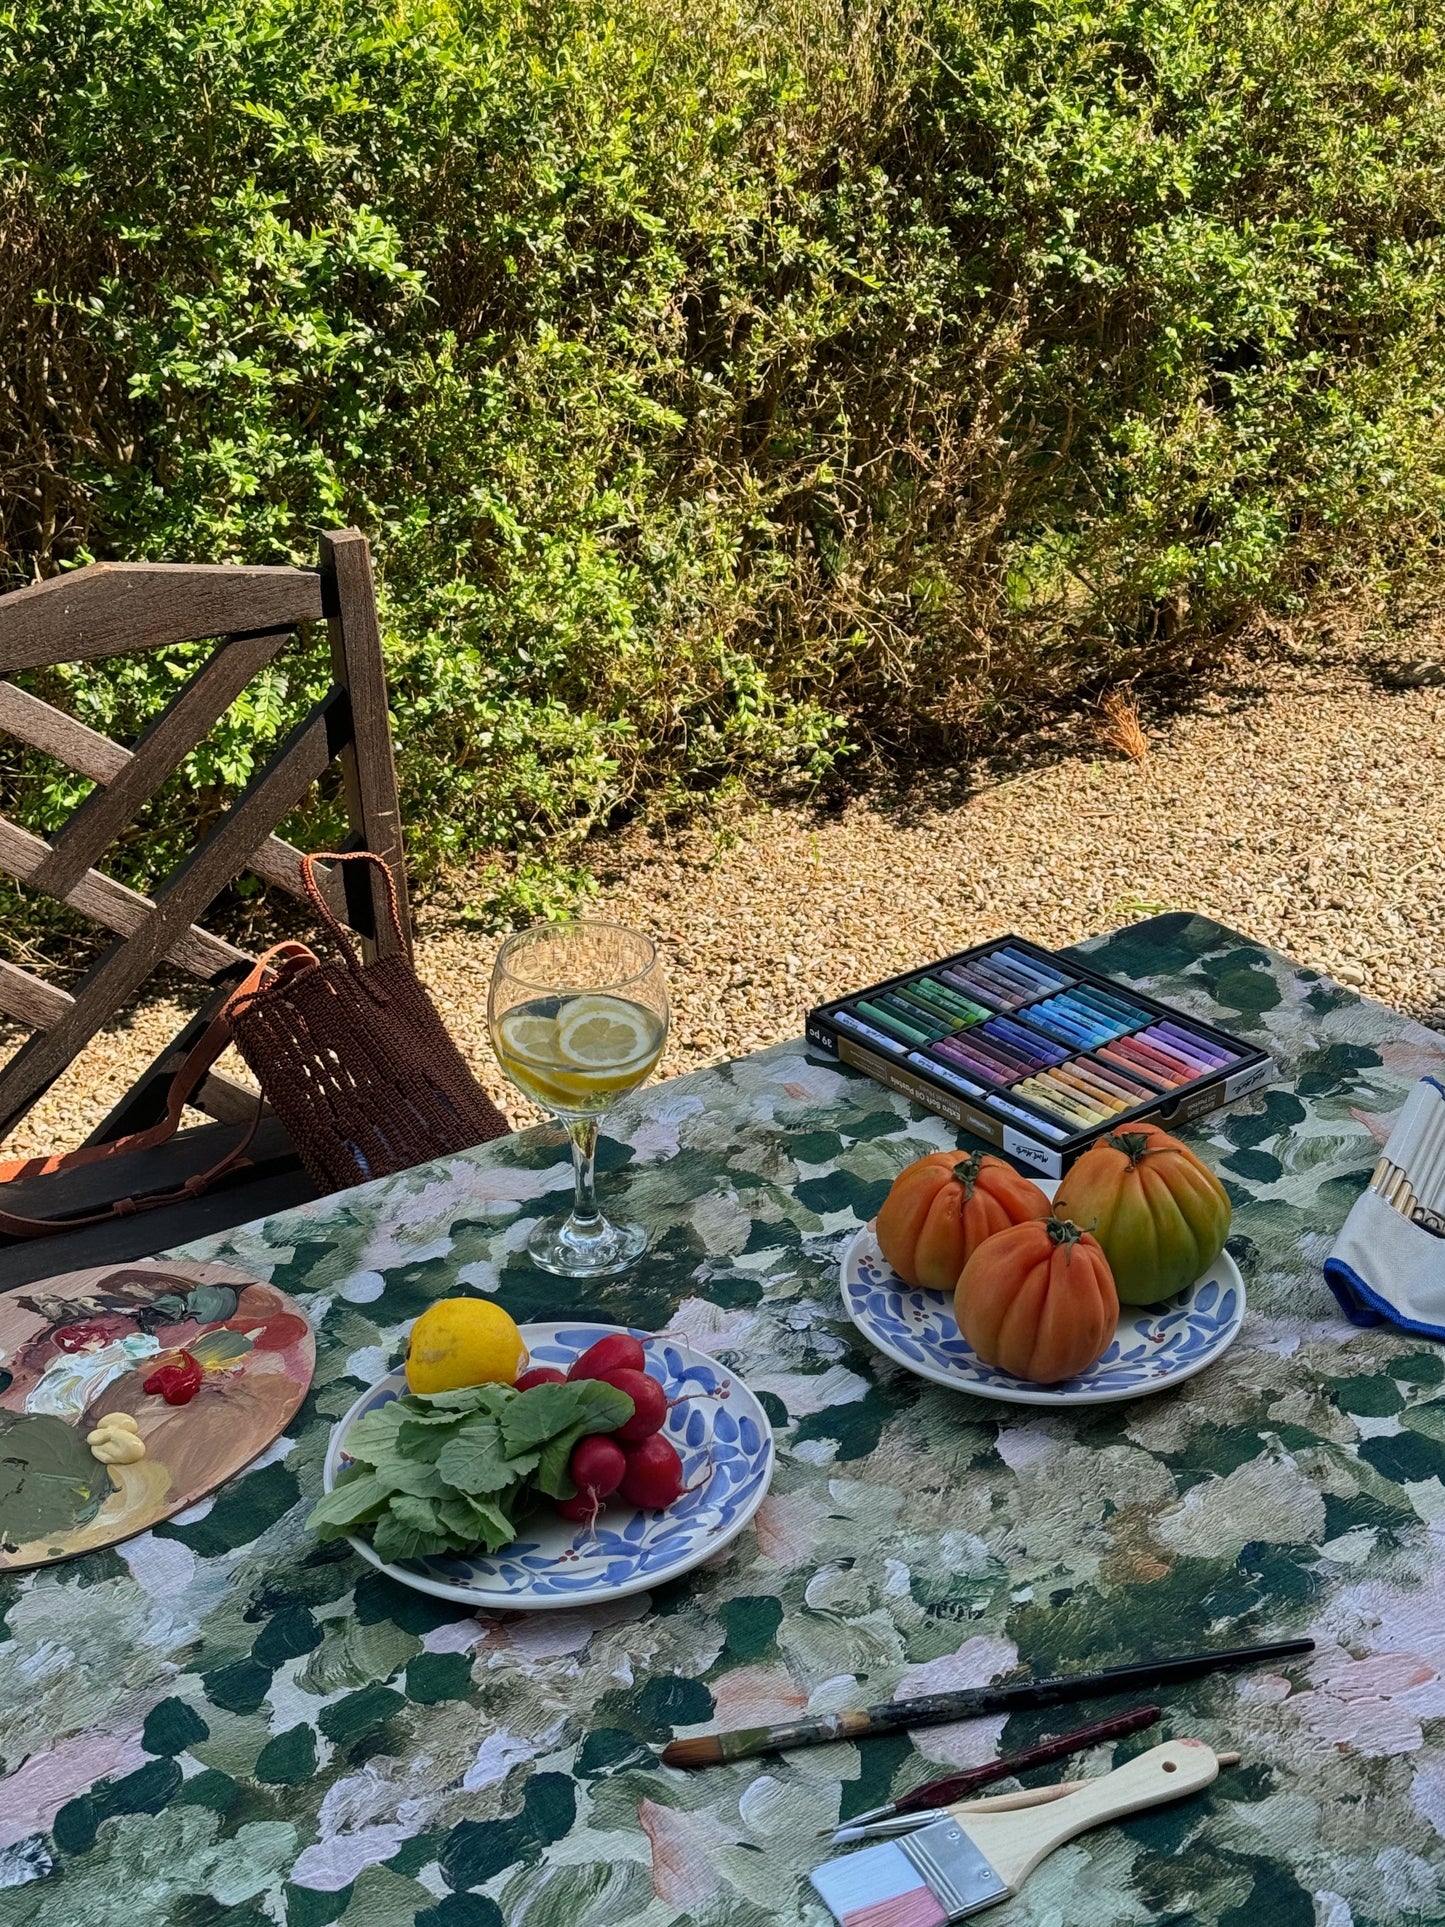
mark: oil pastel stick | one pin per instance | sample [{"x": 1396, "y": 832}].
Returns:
[
  {"x": 917, "y": 1010},
  {"x": 1147, "y": 1060},
  {"x": 1051, "y": 1080},
  {"x": 1108, "y": 1023},
  {"x": 1166, "y": 1052},
  {"x": 914, "y": 1013},
  {"x": 1201, "y": 1065},
  {"x": 1112, "y": 1054},
  {"x": 980, "y": 993},
  {"x": 1043, "y": 974},
  {"x": 1049, "y": 1052},
  {"x": 1000, "y": 967},
  {"x": 1096, "y": 1080},
  {"x": 960, "y": 1054},
  {"x": 990, "y": 1099},
  {"x": 1004, "y": 993},
  {"x": 1054, "y": 1100},
  {"x": 1069, "y": 1088},
  {"x": 1110, "y": 1012},
  {"x": 879, "y": 1039},
  {"x": 1202, "y": 1046},
  {"x": 1108, "y": 1101},
  {"x": 1134, "y": 1088},
  {"x": 1061, "y": 1023},
  {"x": 995, "y": 1052},
  {"x": 889, "y": 1020},
  {"x": 964, "y": 1008}
]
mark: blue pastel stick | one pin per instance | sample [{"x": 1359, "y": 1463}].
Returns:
[
  {"x": 1043, "y": 1048},
  {"x": 1108, "y": 1024},
  {"x": 1109, "y": 1006},
  {"x": 1041, "y": 973},
  {"x": 1010, "y": 972},
  {"x": 1060, "y": 1027},
  {"x": 1056, "y": 1016}
]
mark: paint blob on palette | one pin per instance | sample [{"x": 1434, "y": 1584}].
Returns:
[
  {"x": 1034, "y": 1053},
  {"x": 234, "y": 1355}
]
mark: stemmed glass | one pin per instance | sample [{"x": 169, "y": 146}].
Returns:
[{"x": 578, "y": 1014}]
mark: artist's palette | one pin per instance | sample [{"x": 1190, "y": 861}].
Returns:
[
  {"x": 77, "y": 1347},
  {"x": 1155, "y": 1346},
  {"x": 722, "y": 1435}
]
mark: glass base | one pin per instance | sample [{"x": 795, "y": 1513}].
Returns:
[{"x": 575, "y": 1247}]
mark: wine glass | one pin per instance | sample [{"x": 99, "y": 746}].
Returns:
[{"x": 578, "y": 1014}]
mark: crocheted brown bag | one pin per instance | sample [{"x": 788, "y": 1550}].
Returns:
[{"x": 354, "y": 1059}]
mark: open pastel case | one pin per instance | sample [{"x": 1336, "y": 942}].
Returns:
[{"x": 1035, "y": 1053}]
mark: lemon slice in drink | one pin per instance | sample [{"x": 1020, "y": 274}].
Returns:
[
  {"x": 530, "y": 1036},
  {"x": 602, "y": 1034}
]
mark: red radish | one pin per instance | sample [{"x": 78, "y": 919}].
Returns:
[
  {"x": 581, "y": 1510},
  {"x": 649, "y": 1404},
  {"x": 540, "y": 1375},
  {"x": 597, "y": 1465},
  {"x": 595, "y": 1468},
  {"x": 616, "y": 1352},
  {"x": 653, "y": 1478}
]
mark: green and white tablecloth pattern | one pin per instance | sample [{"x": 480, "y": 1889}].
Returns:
[{"x": 221, "y": 1720}]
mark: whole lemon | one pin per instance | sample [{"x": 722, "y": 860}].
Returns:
[{"x": 463, "y": 1341}]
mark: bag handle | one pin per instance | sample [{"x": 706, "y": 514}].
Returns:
[
  {"x": 285, "y": 960},
  {"x": 328, "y": 917}
]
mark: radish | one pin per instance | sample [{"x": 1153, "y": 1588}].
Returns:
[
  {"x": 618, "y": 1351},
  {"x": 540, "y": 1375},
  {"x": 649, "y": 1404},
  {"x": 595, "y": 1468},
  {"x": 653, "y": 1478}
]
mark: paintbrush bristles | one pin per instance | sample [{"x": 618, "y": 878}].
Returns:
[{"x": 690, "y": 1753}]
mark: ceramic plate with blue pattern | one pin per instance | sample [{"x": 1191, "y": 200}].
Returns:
[
  {"x": 722, "y": 1436},
  {"x": 1155, "y": 1346}
]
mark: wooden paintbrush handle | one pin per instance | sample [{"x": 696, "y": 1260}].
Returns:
[{"x": 1015, "y": 1843}]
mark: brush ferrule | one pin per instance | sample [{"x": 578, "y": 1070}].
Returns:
[{"x": 962, "y": 1879}]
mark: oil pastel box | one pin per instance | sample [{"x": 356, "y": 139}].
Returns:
[{"x": 1035, "y": 1054}]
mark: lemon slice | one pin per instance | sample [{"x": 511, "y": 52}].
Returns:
[
  {"x": 530, "y": 1036},
  {"x": 603, "y": 1033}
]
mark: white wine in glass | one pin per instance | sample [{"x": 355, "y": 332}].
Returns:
[{"x": 578, "y": 1014}]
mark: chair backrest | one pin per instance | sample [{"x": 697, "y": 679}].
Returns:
[{"x": 106, "y": 609}]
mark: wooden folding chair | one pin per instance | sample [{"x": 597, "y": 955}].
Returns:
[{"x": 103, "y": 610}]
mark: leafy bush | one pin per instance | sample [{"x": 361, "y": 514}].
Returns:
[{"x": 723, "y": 383}]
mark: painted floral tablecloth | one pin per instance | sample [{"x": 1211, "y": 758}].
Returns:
[{"x": 222, "y": 1720}]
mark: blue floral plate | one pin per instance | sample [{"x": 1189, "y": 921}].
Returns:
[
  {"x": 1155, "y": 1346},
  {"x": 717, "y": 1424}
]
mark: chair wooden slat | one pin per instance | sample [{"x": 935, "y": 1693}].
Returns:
[
  {"x": 30, "y": 999},
  {"x": 367, "y": 763},
  {"x": 100, "y": 819},
  {"x": 86, "y": 751},
  {"x": 111, "y": 982},
  {"x": 115, "y": 905},
  {"x": 110, "y": 607}
]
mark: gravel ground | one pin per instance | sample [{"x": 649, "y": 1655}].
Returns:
[{"x": 1302, "y": 804}]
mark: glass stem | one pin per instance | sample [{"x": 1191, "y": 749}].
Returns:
[{"x": 587, "y": 1220}]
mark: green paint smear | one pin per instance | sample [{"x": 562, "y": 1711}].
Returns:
[{"x": 50, "y": 1485}]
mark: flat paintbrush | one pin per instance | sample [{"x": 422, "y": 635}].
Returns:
[
  {"x": 929, "y": 1799},
  {"x": 971, "y": 1859},
  {"x": 969, "y": 1702}
]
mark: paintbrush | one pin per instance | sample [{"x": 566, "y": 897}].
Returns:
[
  {"x": 929, "y": 1800},
  {"x": 969, "y": 1702},
  {"x": 957, "y": 1866}
]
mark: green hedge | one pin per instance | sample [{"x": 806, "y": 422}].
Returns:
[{"x": 724, "y": 383}]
